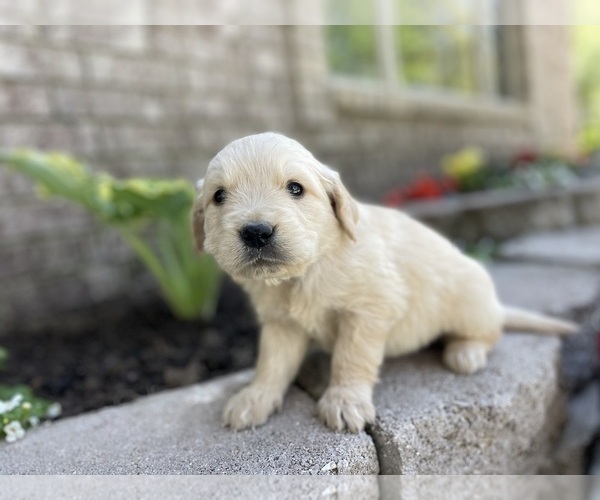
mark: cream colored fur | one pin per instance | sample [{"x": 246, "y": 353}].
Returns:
[{"x": 361, "y": 281}]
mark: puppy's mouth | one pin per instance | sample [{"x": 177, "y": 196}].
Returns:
[
  {"x": 263, "y": 263},
  {"x": 263, "y": 257}
]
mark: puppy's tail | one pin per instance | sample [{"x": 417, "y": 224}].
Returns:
[{"x": 520, "y": 320}]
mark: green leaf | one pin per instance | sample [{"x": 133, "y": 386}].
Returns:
[{"x": 152, "y": 215}]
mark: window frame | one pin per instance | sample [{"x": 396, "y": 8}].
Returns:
[{"x": 389, "y": 94}]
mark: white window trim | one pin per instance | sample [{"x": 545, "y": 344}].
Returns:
[{"x": 370, "y": 98}]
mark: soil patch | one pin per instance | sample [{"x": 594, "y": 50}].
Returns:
[{"x": 141, "y": 352}]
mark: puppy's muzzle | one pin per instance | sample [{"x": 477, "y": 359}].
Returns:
[{"x": 257, "y": 234}]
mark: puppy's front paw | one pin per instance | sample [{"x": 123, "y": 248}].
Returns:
[
  {"x": 346, "y": 407},
  {"x": 250, "y": 407}
]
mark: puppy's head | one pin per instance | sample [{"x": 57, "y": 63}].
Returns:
[{"x": 267, "y": 209}]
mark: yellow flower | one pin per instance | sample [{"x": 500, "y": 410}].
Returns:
[{"x": 464, "y": 163}]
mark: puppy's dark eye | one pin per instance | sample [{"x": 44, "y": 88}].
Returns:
[
  {"x": 295, "y": 189},
  {"x": 219, "y": 196}
]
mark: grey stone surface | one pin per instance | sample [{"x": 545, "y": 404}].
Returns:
[
  {"x": 507, "y": 213},
  {"x": 296, "y": 487},
  {"x": 594, "y": 488},
  {"x": 573, "y": 247},
  {"x": 179, "y": 432},
  {"x": 595, "y": 466},
  {"x": 582, "y": 426},
  {"x": 534, "y": 213},
  {"x": 580, "y": 363},
  {"x": 503, "y": 420},
  {"x": 483, "y": 487},
  {"x": 586, "y": 201},
  {"x": 184, "y": 487},
  {"x": 584, "y": 416},
  {"x": 551, "y": 289},
  {"x": 560, "y": 290}
]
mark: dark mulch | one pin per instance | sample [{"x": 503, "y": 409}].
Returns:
[{"x": 141, "y": 352}]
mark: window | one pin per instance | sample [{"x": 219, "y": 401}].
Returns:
[{"x": 455, "y": 47}]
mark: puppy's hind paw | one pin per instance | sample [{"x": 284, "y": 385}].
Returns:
[
  {"x": 465, "y": 356},
  {"x": 346, "y": 408},
  {"x": 250, "y": 407}
]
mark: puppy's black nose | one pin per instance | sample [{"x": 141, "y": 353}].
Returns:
[{"x": 257, "y": 234}]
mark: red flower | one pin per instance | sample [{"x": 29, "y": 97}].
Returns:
[
  {"x": 424, "y": 187},
  {"x": 525, "y": 156}
]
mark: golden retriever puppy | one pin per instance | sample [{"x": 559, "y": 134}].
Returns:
[{"x": 361, "y": 281}]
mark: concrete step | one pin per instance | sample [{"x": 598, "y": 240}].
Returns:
[
  {"x": 571, "y": 247},
  {"x": 180, "y": 432},
  {"x": 552, "y": 289},
  {"x": 505, "y": 420}
]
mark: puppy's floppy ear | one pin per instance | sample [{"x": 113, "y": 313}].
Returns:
[
  {"x": 198, "y": 217},
  {"x": 344, "y": 206}
]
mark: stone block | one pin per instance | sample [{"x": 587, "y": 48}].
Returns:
[
  {"x": 106, "y": 246},
  {"x": 105, "y": 282},
  {"x": 131, "y": 73},
  {"x": 75, "y": 139},
  {"x": 504, "y": 420},
  {"x": 95, "y": 12},
  {"x": 179, "y": 432},
  {"x": 586, "y": 200},
  {"x": 39, "y": 257},
  {"x": 572, "y": 247},
  {"x": 17, "y": 61},
  {"x": 561, "y": 291},
  {"x": 483, "y": 487},
  {"x": 18, "y": 31},
  {"x": 25, "y": 302},
  {"x": 505, "y": 220},
  {"x": 13, "y": 185},
  {"x": 551, "y": 289},
  {"x": 222, "y": 487},
  {"x": 584, "y": 417},
  {"x": 134, "y": 107},
  {"x": 143, "y": 139},
  {"x": 40, "y": 216},
  {"x": 130, "y": 38},
  {"x": 23, "y": 100},
  {"x": 581, "y": 358},
  {"x": 69, "y": 101},
  {"x": 168, "y": 40}
]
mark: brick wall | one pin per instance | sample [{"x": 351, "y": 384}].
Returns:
[{"x": 162, "y": 100}]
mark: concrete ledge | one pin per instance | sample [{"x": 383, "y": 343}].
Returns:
[
  {"x": 503, "y": 214},
  {"x": 558, "y": 273},
  {"x": 179, "y": 432},
  {"x": 552, "y": 289},
  {"x": 505, "y": 420},
  {"x": 183, "y": 487},
  {"x": 295, "y": 487},
  {"x": 575, "y": 247}
]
